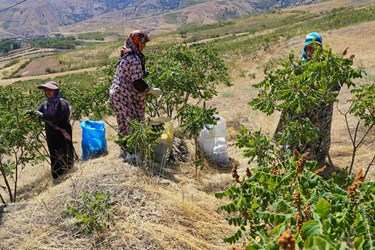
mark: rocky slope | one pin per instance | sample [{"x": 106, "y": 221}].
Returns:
[{"x": 32, "y": 18}]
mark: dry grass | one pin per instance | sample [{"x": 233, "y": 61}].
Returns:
[
  {"x": 151, "y": 212},
  {"x": 88, "y": 56},
  {"x": 329, "y": 5},
  {"x": 48, "y": 76},
  {"x": 26, "y": 53}
]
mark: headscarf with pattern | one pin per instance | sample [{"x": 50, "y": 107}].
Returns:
[
  {"x": 133, "y": 40},
  {"x": 132, "y": 44}
]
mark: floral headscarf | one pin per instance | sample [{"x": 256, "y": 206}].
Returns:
[{"x": 133, "y": 40}]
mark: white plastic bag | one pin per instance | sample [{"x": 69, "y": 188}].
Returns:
[{"x": 213, "y": 141}]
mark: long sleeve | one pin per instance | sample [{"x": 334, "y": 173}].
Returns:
[
  {"x": 140, "y": 85},
  {"x": 61, "y": 114}
]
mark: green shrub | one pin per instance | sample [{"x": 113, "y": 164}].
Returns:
[
  {"x": 99, "y": 36},
  {"x": 93, "y": 211},
  {"x": 21, "y": 138},
  {"x": 143, "y": 138},
  {"x": 57, "y": 42},
  {"x": 283, "y": 202},
  {"x": 7, "y": 45},
  {"x": 228, "y": 93}
]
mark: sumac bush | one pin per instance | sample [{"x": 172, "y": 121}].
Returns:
[{"x": 283, "y": 202}]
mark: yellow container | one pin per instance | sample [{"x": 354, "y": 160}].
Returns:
[{"x": 165, "y": 142}]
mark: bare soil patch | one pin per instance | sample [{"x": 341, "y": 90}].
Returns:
[
  {"x": 329, "y": 5},
  {"x": 40, "y": 66}
]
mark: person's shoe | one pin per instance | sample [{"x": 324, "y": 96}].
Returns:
[
  {"x": 58, "y": 180},
  {"x": 133, "y": 158},
  {"x": 122, "y": 153}
]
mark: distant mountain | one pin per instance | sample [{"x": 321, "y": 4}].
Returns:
[{"x": 40, "y": 17}]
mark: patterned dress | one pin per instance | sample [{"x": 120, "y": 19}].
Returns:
[
  {"x": 125, "y": 99},
  {"x": 321, "y": 119}
]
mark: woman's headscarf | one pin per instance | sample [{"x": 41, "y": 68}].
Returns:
[
  {"x": 132, "y": 45},
  {"x": 312, "y": 38},
  {"x": 133, "y": 40},
  {"x": 52, "y": 102}
]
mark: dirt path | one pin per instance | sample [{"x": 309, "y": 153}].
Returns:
[{"x": 4, "y": 82}]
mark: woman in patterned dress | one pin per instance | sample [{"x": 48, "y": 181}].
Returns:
[
  {"x": 127, "y": 93},
  {"x": 321, "y": 117}
]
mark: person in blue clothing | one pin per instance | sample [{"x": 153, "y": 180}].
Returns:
[
  {"x": 56, "y": 113},
  {"x": 321, "y": 118}
]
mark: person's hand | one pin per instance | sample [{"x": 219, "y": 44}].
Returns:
[
  {"x": 29, "y": 114},
  {"x": 154, "y": 91},
  {"x": 38, "y": 114},
  {"x": 66, "y": 134},
  {"x": 33, "y": 114}
]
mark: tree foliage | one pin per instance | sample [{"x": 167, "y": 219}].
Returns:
[
  {"x": 7, "y": 45},
  {"x": 286, "y": 193},
  {"x": 21, "y": 138},
  {"x": 184, "y": 74},
  {"x": 283, "y": 202},
  {"x": 57, "y": 42}
]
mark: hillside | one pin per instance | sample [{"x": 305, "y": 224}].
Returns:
[
  {"x": 33, "y": 18},
  {"x": 169, "y": 208}
]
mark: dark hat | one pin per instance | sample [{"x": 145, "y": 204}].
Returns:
[{"x": 49, "y": 85}]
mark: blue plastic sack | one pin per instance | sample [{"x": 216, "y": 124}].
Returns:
[{"x": 93, "y": 142}]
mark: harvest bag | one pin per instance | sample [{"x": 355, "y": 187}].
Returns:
[
  {"x": 165, "y": 142},
  {"x": 212, "y": 140},
  {"x": 93, "y": 143}
]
